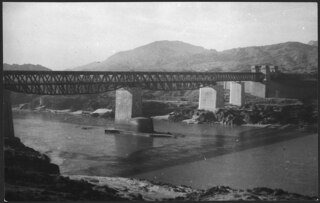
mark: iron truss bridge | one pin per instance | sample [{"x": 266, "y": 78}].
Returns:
[{"x": 93, "y": 82}]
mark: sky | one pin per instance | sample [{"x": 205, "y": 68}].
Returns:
[{"x": 67, "y": 35}]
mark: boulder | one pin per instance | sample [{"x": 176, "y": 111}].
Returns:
[
  {"x": 24, "y": 106},
  {"x": 180, "y": 115},
  {"x": 76, "y": 112},
  {"x": 100, "y": 112},
  {"x": 190, "y": 121},
  {"x": 203, "y": 116}
]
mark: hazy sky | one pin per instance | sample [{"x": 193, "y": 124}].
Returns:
[{"x": 65, "y": 35}]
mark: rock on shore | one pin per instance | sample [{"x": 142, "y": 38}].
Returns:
[
  {"x": 154, "y": 191},
  {"x": 135, "y": 189},
  {"x": 253, "y": 114},
  {"x": 219, "y": 193}
]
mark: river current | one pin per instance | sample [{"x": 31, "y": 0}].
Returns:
[{"x": 201, "y": 156}]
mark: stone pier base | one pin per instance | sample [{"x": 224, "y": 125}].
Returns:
[
  {"x": 7, "y": 121},
  {"x": 237, "y": 93},
  {"x": 128, "y": 105},
  {"x": 211, "y": 98}
]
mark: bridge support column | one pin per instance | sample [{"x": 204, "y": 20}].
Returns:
[
  {"x": 41, "y": 102},
  {"x": 237, "y": 93},
  {"x": 128, "y": 105},
  {"x": 7, "y": 121},
  {"x": 226, "y": 85},
  {"x": 211, "y": 98}
]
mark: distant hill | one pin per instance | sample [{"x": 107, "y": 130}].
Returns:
[
  {"x": 180, "y": 56},
  {"x": 90, "y": 66},
  {"x": 26, "y": 67},
  {"x": 289, "y": 56},
  {"x": 150, "y": 57}
]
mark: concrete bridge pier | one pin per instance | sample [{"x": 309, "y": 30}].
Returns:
[
  {"x": 41, "y": 102},
  {"x": 237, "y": 93},
  {"x": 129, "y": 111},
  {"x": 211, "y": 98},
  {"x": 7, "y": 121},
  {"x": 128, "y": 104}
]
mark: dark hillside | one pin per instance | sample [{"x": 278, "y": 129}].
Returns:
[{"x": 26, "y": 67}]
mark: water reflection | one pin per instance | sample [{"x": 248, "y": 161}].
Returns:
[{"x": 128, "y": 144}]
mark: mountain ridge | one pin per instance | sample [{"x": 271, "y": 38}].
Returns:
[
  {"x": 25, "y": 67},
  {"x": 180, "y": 56},
  {"x": 168, "y": 55}
]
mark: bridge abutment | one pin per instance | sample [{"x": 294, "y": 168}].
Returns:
[
  {"x": 237, "y": 93},
  {"x": 257, "y": 89},
  {"x": 211, "y": 98},
  {"x": 260, "y": 89},
  {"x": 128, "y": 104},
  {"x": 7, "y": 121}
]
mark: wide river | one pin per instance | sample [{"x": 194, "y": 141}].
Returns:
[{"x": 201, "y": 156}]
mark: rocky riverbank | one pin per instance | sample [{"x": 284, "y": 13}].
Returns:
[
  {"x": 263, "y": 114},
  {"x": 257, "y": 113},
  {"x": 149, "y": 108},
  {"x": 29, "y": 175}
]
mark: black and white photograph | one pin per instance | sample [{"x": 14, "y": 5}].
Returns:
[{"x": 160, "y": 101}]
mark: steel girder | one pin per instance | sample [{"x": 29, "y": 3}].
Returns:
[{"x": 92, "y": 82}]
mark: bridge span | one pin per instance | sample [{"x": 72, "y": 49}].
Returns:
[{"x": 93, "y": 82}]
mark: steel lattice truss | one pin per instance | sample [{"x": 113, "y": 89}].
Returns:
[{"x": 92, "y": 82}]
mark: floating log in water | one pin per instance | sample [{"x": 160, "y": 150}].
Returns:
[
  {"x": 154, "y": 134},
  {"x": 161, "y": 135},
  {"x": 109, "y": 130}
]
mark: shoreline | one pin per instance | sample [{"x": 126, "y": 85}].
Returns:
[{"x": 87, "y": 114}]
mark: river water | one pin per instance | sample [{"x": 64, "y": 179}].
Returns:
[{"x": 200, "y": 156}]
